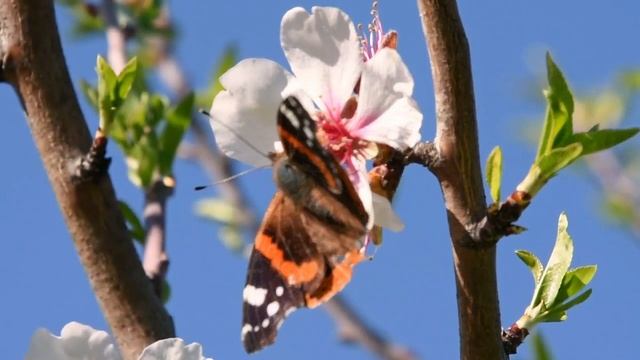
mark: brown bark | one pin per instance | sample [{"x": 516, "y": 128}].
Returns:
[
  {"x": 459, "y": 174},
  {"x": 34, "y": 64}
]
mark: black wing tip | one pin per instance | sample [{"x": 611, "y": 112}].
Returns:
[{"x": 253, "y": 344}]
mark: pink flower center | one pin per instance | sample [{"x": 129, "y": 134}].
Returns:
[{"x": 337, "y": 138}]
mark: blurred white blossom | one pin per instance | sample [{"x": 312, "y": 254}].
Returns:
[{"x": 81, "y": 342}]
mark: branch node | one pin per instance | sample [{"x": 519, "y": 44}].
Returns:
[
  {"x": 424, "y": 153},
  {"x": 499, "y": 221},
  {"x": 512, "y": 338},
  {"x": 94, "y": 164}
]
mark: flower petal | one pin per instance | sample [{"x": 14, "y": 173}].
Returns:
[
  {"x": 398, "y": 127},
  {"x": 384, "y": 214},
  {"x": 357, "y": 171},
  {"x": 172, "y": 349},
  {"x": 248, "y": 108},
  {"x": 386, "y": 112},
  {"x": 324, "y": 53},
  {"x": 76, "y": 341}
]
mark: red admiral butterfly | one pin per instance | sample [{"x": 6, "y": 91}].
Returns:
[{"x": 311, "y": 235}]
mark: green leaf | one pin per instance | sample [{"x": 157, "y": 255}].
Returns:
[
  {"x": 575, "y": 280},
  {"x": 558, "y": 159},
  {"x": 90, "y": 93},
  {"x": 126, "y": 79},
  {"x": 559, "y": 312},
  {"x": 620, "y": 209},
  {"x": 540, "y": 349},
  {"x": 107, "y": 81},
  {"x": 573, "y": 302},
  {"x": 146, "y": 156},
  {"x": 226, "y": 61},
  {"x": 598, "y": 140},
  {"x": 178, "y": 121},
  {"x": 548, "y": 166},
  {"x": 630, "y": 80},
  {"x": 232, "y": 238},
  {"x": 135, "y": 225},
  {"x": 532, "y": 262},
  {"x": 553, "y": 316},
  {"x": 558, "y": 125},
  {"x": 218, "y": 210},
  {"x": 560, "y": 102},
  {"x": 155, "y": 111},
  {"x": 494, "y": 173},
  {"x": 558, "y": 264}
]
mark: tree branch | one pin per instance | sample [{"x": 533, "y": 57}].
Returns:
[
  {"x": 156, "y": 260},
  {"x": 458, "y": 171},
  {"x": 351, "y": 328},
  {"x": 29, "y": 35}
]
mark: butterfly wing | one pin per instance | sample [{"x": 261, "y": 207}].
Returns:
[
  {"x": 311, "y": 235},
  {"x": 287, "y": 271},
  {"x": 283, "y": 266}
]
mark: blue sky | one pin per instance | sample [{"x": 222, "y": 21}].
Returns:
[{"x": 408, "y": 291}]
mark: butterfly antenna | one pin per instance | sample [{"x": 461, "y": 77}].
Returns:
[
  {"x": 232, "y": 177},
  {"x": 250, "y": 145}
]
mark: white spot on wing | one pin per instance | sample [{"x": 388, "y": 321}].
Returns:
[
  {"x": 265, "y": 323},
  {"x": 245, "y": 330},
  {"x": 256, "y": 328},
  {"x": 279, "y": 291},
  {"x": 308, "y": 132},
  {"x": 293, "y": 119},
  {"x": 253, "y": 295},
  {"x": 273, "y": 308}
]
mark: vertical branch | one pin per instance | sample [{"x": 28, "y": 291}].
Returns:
[
  {"x": 459, "y": 174},
  {"x": 35, "y": 65}
]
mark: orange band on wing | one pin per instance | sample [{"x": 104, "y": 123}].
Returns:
[
  {"x": 313, "y": 157},
  {"x": 294, "y": 273},
  {"x": 339, "y": 278}
]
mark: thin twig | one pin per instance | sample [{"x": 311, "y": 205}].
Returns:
[
  {"x": 135, "y": 315},
  {"x": 156, "y": 259},
  {"x": 116, "y": 38},
  {"x": 458, "y": 171},
  {"x": 352, "y": 329}
]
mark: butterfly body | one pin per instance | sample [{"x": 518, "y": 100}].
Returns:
[{"x": 311, "y": 235}]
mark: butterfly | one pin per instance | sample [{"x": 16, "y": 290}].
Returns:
[{"x": 311, "y": 236}]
